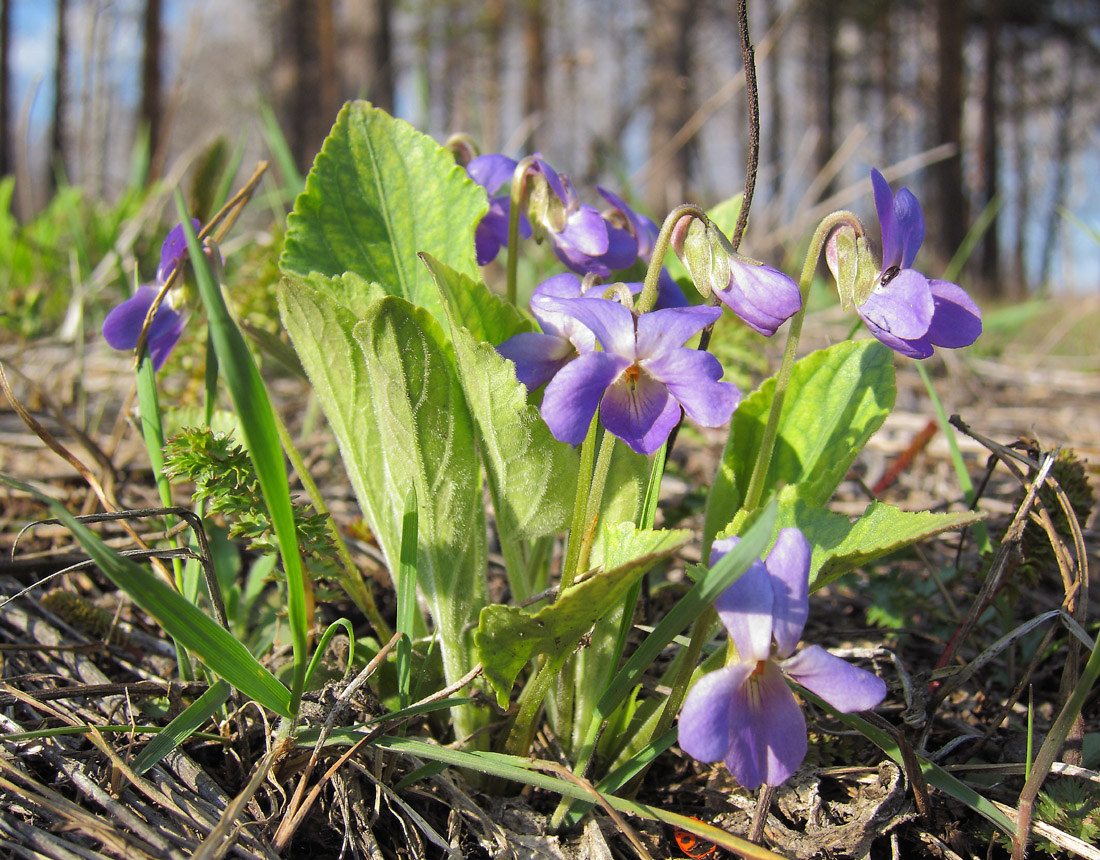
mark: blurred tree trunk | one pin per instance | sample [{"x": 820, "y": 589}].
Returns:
[
  {"x": 7, "y": 161},
  {"x": 947, "y": 216},
  {"x": 151, "y": 107},
  {"x": 1021, "y": 163},
  {"x": 991, "y": 248},
  {"x": 670, "y": 97},
  {"x": 494, "y": 12},
  {"x": 887, "y": 80},
  {"x": 824, "y": 71},
  {"x": 60, "y": 93},
  {"x": 534, "y": 85},
  {"x": 772, "y": 120},
  {"x": 367, "y": 54},
  {"x": 1063, "y": 152},
  {"x": 305, "y": 75}
]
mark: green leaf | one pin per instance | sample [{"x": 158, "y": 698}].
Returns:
[
  {"x": 473, "y": 306},
  {"x": 181, "y": 619},
  {"x": 838, "y": 397},
  {"x": 421, "y": 435},
  {"x": 508, "y": 637},
  {"x": 262, "y": 441},
  {"x": 379, "y": 193},
  {"x": 532, "y": 476},
  {"x": 840, "y": 544},
  {"x": 320, "y": 326},
  {"x": 182, "y": 727}
]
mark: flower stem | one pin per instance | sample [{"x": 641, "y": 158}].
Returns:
[
  {"x": 519, "y": 188},
  {"x": 580, "y": 504},
  {"x": 767, "y": 445},
  {"x": 592, "y": 513},
  {"x": 648, "y": 297}
]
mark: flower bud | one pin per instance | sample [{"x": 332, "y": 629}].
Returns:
[{"x": 703, "y": 250}]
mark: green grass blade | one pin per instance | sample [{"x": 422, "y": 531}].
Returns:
[
  {"x": 293, "y": 181},
  {"x": 980, "y": 531},
  {"x": 406, "y": 594},
  {"x": 262, "y": 441},
  {"x": 183, "y": 726},
  {"x": 973, "y": 236},
  {"x": 182, "y": 620},
  {"x": 326, "y": 638},
  {"x": 522, "y": 770}
]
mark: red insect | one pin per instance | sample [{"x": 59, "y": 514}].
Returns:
[{"x": 692, "y": 845}]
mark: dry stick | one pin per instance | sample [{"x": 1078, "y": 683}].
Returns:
[
  {"x": 345, "y": 696},
  {"x": 760, "y": 816},
  {"x": 290, "y": 825},
  {"x": 753, "y": 95},
  {"x": 137, "y": 688},
  {"x": 628, "y": 831},
  {"x": 1069, "y": 724}
]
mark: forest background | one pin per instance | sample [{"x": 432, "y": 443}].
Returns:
[{"x": 988, "y": 105}]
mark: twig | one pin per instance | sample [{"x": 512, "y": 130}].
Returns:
[{"x": 753, "y": 96}]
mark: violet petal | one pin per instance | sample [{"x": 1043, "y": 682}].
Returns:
[
  {"x": 844, "y": 686},
  {"x": 122, "y": 327},
  {"x": 763, "y": 297},
  {"x": 693, "y": 378},
  {"x": 884, "y": 205},
  {"x": 173, "y": 250},
  {"x": 957, "y": 321},
  {"x": 704, "y": 726},
  {"x": 767, "y": 730},
  {"x": 537, "y": 357},
  {"x": 641, "y": 412},
  {"x": 788, "y": 563},
  {"x": 903, "y": 307},
  {"x": 492, "y": 171},
  {"x": 571, "y": 397},
  {"x": 660, "y": 332},
  {"x": 910, "y": 225},
  {"x": 612, "y": 323},
  {"x": 745, "y": 609}
]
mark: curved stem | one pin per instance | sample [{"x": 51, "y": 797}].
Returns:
[
  {"x": 519, "y": 187},
  {"x": 782, "y": 380},
  {"x": 648, "y": 298}
]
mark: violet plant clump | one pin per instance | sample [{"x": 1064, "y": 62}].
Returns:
[
  {"x": 441, "y": 396},
  {"x": 745, "y": 713}
]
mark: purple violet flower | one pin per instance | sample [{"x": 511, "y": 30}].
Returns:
[
  {"x": 745, "y": 714},
  {"x": 539, "y": 355},
  {"x": 907, "y": 311},
  {"x": 580, "y": 235},
  {"x": 763, "y": 297},
  {"x": 122, "y": 327},
  {"x": 493, "y": 172},
  {"x": 641, "y": 379}
]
